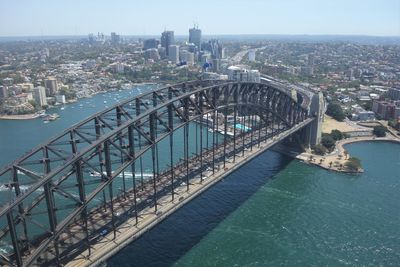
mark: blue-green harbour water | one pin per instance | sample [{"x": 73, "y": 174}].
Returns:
[
  {"x": 272, "y": 212},
  {"x": 278, "y": 212},
  {"x": 307, "y": 216}
]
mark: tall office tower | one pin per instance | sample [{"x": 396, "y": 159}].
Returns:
[
  {"x": 40, "y": 95},
  {"x": 216, "y": 49},
  {"x": 115, "y": 38},
  {"x": 173, "y": 53},
  {"x": 91, "y": 38},
  {"x": 51, "y": 85},
  {"x": 195, "y": 36},
  {"x": 162, "y": 52},
  {"x": 167, "y": 39},
  {"x": 216, "y": 64},
  {"x": 150, "y": 43}
]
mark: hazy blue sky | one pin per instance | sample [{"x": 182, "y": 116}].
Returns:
[{"x": 138, "y": 17}]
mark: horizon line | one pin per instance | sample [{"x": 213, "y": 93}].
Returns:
[{"x": 214, "y": 34}]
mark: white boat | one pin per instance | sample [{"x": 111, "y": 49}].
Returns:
[{"x": 42, "y": 113}]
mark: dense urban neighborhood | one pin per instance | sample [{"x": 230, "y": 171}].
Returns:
[{"x": 360, "y": 79}]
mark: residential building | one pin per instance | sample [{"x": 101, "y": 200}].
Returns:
[
  {"x": 3, "y": 92},
  {"x": 26, "y": 86},
  {"x": 387, "y": 110},
  {"x": 61, "y": 99},
  {"x": 394, "y": 93},
  {"x": 40, "y": 96},
  {"x": 51, "y": 85},
  {"x": 243, "y": 74},
  {"x": 361, "y": 114}
]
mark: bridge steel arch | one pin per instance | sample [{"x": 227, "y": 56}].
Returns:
[{"x": 57, "y": 191}]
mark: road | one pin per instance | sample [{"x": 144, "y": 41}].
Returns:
[{"x": 239, "y": 56}]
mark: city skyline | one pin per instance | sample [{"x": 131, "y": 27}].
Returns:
[{"x": 310, "y": 17}]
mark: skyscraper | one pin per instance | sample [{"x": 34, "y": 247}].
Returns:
[
  {"x": 150, "y": 43},
  {"x": 173, "y": 53},
  {"x": 195, "y": 36},
  {"x": 215, "y": 48},
  {"x": 115, "y": 38},
  {"x": 167, "y": 39}
]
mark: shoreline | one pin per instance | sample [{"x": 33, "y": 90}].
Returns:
[
  {"x": 32, "y": 116},
  {"x": 19, "y": 117},
  {"x": 336, "y": 160}
]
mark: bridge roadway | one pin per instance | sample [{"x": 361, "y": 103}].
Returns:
[{"x": 104, "y": 246}]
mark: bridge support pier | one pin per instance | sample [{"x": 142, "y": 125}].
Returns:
[{"x": 312, "y": 133}]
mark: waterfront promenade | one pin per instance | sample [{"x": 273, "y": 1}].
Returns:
[
  {"x": 19, "y": 117},
  {"x": 339, "y": 156}
]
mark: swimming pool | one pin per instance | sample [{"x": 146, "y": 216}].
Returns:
[{"x": 242, "y": 127}]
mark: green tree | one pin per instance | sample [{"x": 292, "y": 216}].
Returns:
[
  {"x": 336, "y": 135},
  {"x": 335, "y": 111},
  {"x": 353, "y": 164},
  {"x": 33, "y": 103},
  {"x": 380, "y": 131},
  {"x": 320, "y": 150},
  {"x": 392, "y": 123},
  {"x": 328, "y": 142}
]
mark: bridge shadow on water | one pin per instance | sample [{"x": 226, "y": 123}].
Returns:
[{"x": 177, "y": 234}]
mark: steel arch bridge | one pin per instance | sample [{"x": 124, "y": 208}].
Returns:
[{"x": 64, "y": 194}]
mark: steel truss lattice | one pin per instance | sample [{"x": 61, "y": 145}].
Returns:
[{"x": 57, "y": 190}]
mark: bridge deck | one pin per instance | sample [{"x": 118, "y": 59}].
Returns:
[{"x": 130, "y": 230}]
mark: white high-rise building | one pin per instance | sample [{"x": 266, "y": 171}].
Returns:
[
  {"x": 239, "y": 73},
  {"x": 173, "y": 53},
  {"x": 40, "y": 95},
  {"x": 61, "y": 99}
]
